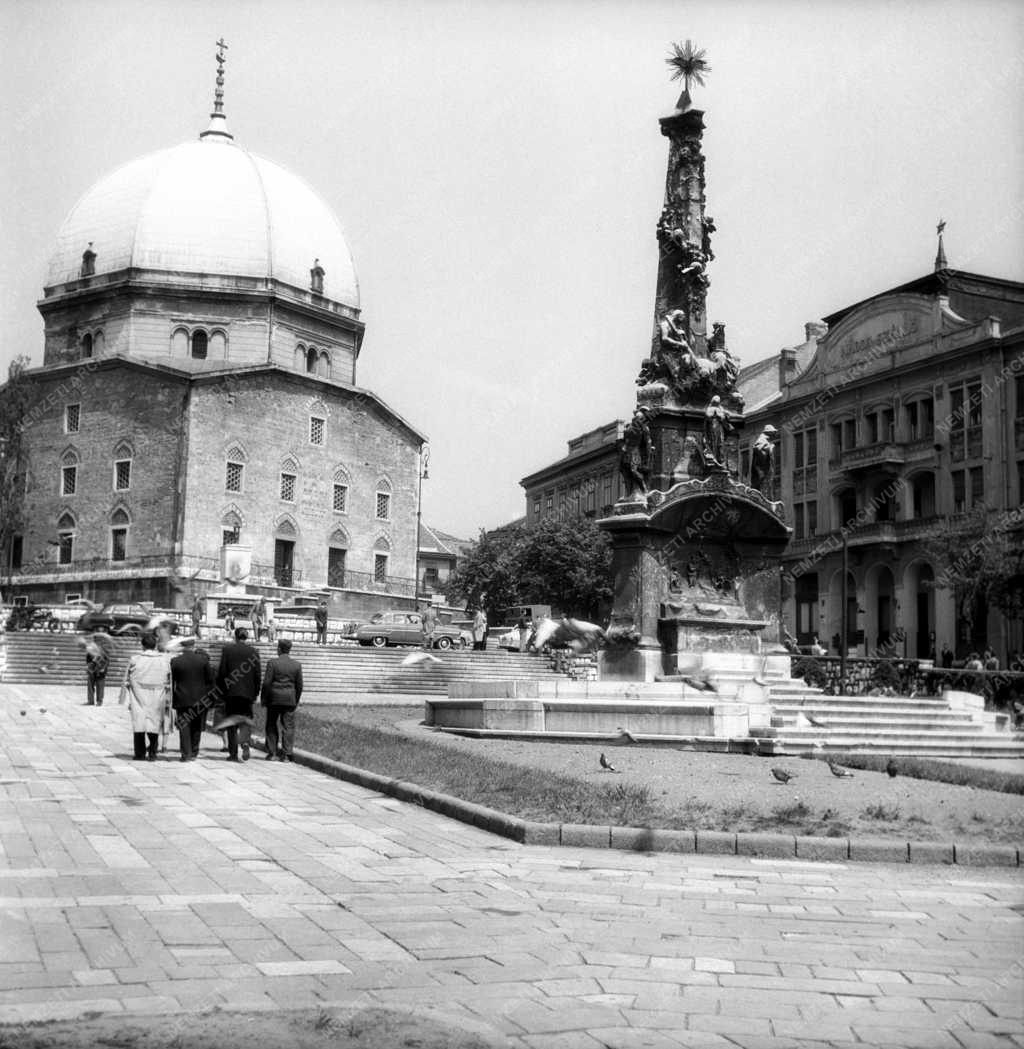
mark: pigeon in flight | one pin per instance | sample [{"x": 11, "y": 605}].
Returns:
[
  {"x": 607, "y": 765},
  {"x": 415, "y": 658},
  {"x": 782, "y": 775},
  {"x": 892, "y": 768},
  {"x": 839, "y": 772},
  {"x": 625, "y": 736}
]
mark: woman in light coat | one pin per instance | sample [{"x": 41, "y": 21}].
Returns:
[{"x": 147, "y": 689}]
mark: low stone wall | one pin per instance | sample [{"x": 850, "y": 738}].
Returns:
[{"x": 904, "y": 677}]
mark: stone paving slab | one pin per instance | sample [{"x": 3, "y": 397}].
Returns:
[{"x": 170, "y": 888}]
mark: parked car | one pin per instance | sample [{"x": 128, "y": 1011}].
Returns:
[
  {"x": 32, "y": 617},
  {"x": 125, "y": 619},
  {"x": 406, "y": 628}
]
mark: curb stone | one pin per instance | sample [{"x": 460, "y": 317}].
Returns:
[{"x": 647, "y": 839}]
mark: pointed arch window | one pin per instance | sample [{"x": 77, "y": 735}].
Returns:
[
  {"x": 122, "y": 467},
  {"x": 340, "y": 494},
  {"x": 66, "y": 539},
  {"x": 231, "y": 528},
  {"x": 119, "y": 522},
  {"x": 69, "y": 473},
  {"x": 87, "y": 344},
  {"x": 383, "y": 500},
  {"x": 311, "y": 360},
  {"x": 234, "y": 475}
]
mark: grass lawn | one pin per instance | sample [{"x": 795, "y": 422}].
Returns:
[{"x": 671, "y": 788}]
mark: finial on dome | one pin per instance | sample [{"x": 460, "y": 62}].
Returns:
[
  {"x": 218, "y": 122},
  {"x": 940, "y": 255},
  {"x": 687, "y": 63}
]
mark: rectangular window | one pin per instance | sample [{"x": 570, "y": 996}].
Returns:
[
  {"x": 316, "y": 429},
  {"x": 380, "y": 568},
  {"x": 17, "y": 545},
  {"x": 72, "y": 418},
  {"x": 336, "y": 566},
  {"x": 873, "y": 428},
  {"x": 383, "y": 506},
  {"x": 536, "y": 508},
  {"x": 959, "y": 492},
  {"x": 284, "y": 558},
  {"x": 65, "y": 547},
  {"x": 837, "y": 439},
  {"x": 549, "y": 504},
  {"x": 798, "y": 520},
  {"x": 340, "y": 498},
  {"x": 233, "y": 479},
  {"x": 118, "y": 544},
  {"x": 913, "y": 424},
  {"x": 1020, "y": 482},
  {"x": 68, "y": 480},
  {"x": 812, "y": 518},
  {"x": 122, "y": 475},
  {"x": 805, "y": 461},
  {"x": 229, "y": 536},
  {"x": 288, "y": 487},
  {"x": 850, "y": 433},
  {"x": 977, "y": 486}
]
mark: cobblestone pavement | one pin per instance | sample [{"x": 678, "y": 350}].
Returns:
[{"x": 148, "y": 888}]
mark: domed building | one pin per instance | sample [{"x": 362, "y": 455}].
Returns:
[{"x": 198, "y": 391}]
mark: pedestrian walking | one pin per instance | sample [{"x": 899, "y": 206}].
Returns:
[
  {"x": 97, "y": 662},
  {"x": 281, "y": 692},
  {"x": 197, "y": 616},
  {"x": 320, "y": 615},
  {"x": 525, "y": 630},
  {"x": 147, "y": 690},
  {"x": 428, "y": 621},
  {"x": 238, "y": 682},
  {"x": 480, "y": 631},
  {"x": 191, "y": 687}
]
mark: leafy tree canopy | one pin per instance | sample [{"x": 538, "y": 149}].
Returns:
[{"x": 565, "y": 563}]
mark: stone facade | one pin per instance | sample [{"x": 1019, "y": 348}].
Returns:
[{"x": 178, "y": 432}]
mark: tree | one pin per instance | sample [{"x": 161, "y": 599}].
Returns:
[
  {"x": 565, "y": 563},
  {"x": 980, "y": 556},
  {"x": 14, "y": 403}
]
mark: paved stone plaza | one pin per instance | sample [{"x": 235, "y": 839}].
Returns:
[{"x": 145, "y": 889}]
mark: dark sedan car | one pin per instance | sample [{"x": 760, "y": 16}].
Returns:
[
  {"x": 32, "y": 617},
  {"x": 120, "y": 619}
]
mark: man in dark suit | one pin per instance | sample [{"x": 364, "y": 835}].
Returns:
[
  {"x": 191, "y": 684},
  {"x": 282, "y": 690},
  {"x": 238, "y": 682}
]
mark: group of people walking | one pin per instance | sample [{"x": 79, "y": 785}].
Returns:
[{"x": 161, "y": 690}]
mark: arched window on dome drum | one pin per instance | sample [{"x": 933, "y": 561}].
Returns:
[
  {"x": 324, "y": 367},
  {"x": 88, "y": 262},
  {"x": 97, "y": 344},
  {"x": 87, "y": 345},
  {"x": 218, "y": 346},
  {"x": 200, "y": 345},
  {"x": 179, "y": 342},
  {"x": 311, "y": 360}
]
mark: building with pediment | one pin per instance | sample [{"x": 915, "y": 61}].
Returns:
[
  {"x": 896, "y": 416},
  {"x": 198, "y": 389}
]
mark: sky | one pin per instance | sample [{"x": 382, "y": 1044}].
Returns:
[{"x": 499, "y": 171}]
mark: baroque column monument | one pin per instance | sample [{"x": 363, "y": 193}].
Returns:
[{"x": 696, "y": 548}]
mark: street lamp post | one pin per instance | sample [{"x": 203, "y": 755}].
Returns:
[
  {"x": 843, "y": 625},
  {"x": 424, "y": 475}
]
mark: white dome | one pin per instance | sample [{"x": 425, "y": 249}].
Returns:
[{"x": 207, "y": 207}]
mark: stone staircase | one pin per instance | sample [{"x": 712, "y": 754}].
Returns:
[
  {"x": 35, "y": 658},
  {"x": 921, "y": 726}
]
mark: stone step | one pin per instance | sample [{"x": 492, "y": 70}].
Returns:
[{"x": 984, "y": 747}]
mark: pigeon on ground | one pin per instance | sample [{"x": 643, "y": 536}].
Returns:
[
  {"x": 24, "y": 712},
  {"x": 782, "y": 775},
  {"x": 839, "y": 772},
  {"x": 625, "y": 736},
  {"x": 415, "y": 658},
  {"x": 892, "y": 768},
  {"x": 578, "y": 634},
  {"x": 607, "y": 765},
  {"x": 702, "y": 683},
  {"x": 815, "y": 722},
  {"x": 42, "y": 710}
]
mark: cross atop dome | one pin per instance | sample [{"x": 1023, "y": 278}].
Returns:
[{"x": 218, "y": 122}]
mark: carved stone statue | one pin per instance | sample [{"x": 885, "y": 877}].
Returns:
[
  {"x": 762, "y": 461},
  {"x": 635, "y": 460},
  {"x": 716, "y": 425}
]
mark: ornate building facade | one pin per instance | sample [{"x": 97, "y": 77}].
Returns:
[
  {"x": 198, "y": 388},
  {"x": 907, "y": 415}
]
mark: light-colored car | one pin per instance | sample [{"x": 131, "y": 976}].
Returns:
[{"x": 406, "y": 628}]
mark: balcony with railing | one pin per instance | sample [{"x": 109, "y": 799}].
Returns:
[{"x": 886, "y": 455}]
